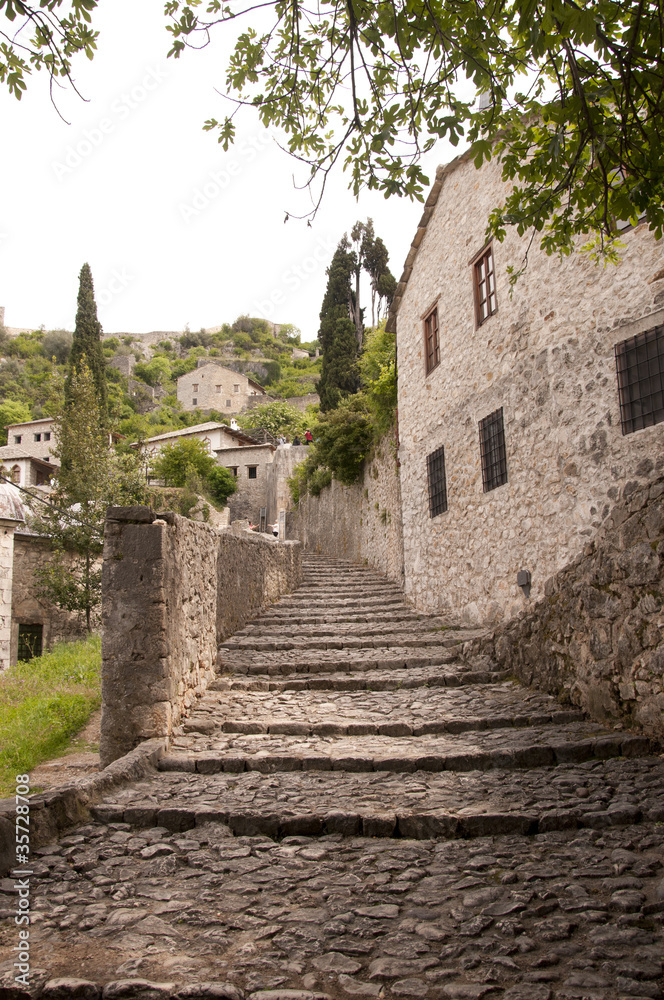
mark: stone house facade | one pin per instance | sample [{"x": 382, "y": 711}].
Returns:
[
  {"x": 517, "y": 435},
  {"x": 249, "y": 465},
  {"x": 217, "y": 437},
  {"x": 213, "y": 387},
  {"x": 35, "y": 437},
  {"x": 23, "y": 468}
]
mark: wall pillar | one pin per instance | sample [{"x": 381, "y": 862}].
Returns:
[{"x": 7, "y": 529}]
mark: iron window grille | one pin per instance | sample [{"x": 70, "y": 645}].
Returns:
[
  {"x": 640, "y": 370},
  {"x": 437, "y": 482},
  {"x": 29, "y": 641},
  {"x": 484, "y": 286},
  {"x": 492, "y": 451},
  {"x": 253, "y": 471},
  {"x": 194, "y": 402},
  {"x": 431, "y": 340}
]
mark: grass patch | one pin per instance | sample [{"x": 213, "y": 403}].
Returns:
[{"x": 43, "y": 703}]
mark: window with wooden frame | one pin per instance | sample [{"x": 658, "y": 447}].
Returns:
[
  {"x": 492, "y": 451},
  {"x": 484, "y": 285},
  {"x": 194, "y": 387},
  {"x": 640, "y": 369},
  {"x": 436, "y": 482},
  {"x": 431, "y": 341}
]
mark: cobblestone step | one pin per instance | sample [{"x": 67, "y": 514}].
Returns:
[
  {"x": 400, "y": 640},
  {"x": 415, "y": 712},
  {"x": 400, "y": 826},
  {"x": 594, "y": 794},
  {"x": 284, "y": 630},
  {"x": 290, "y": 749},
  {"x": 368, "y": 680},
  {"x": 329, "y": 660}
]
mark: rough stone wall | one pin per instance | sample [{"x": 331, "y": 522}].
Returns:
[
  {"x": 31, "y": 552},
  {"x": 251, "y": 494},
  {"x": 596, "y": 637},
  {"x": 171, "y": 589},
  {"x": 252, "y": 571},
  {"x": 159, "y": 624},
  {"x": 208, "y": 396},
  {"x": 547, "y": 358},
  {"x": 6, "y": 569},
  {"x": 361, "y": 522},
  {"x": 286, "y": 457}
]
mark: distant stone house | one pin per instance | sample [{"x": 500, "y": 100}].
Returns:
[
  {"x": 261, "y": 469},
  {"x": 213, "y": 387},
  {"x": 523, "y": 414},
  {"x": 214, "y": 435},
  {"x": 35, "y": 437},
  {"x": 22, "y": 468}
]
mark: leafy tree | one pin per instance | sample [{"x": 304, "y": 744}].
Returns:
[
  {"x": 44, "y": 36},
  {"x": 378, "y": 371},
  {"x": 92, "y": 478},
  {"x": 174, "y": 461},
  {"x": 57, "y": 344},
  {"x": 11, "y": 412},
  {"x": 573, "y": 98},
  {"x": 337, "y": 334},
  {"x": 155, "y": 372},
  {"x": 278, "y": 417},
  {"x": 221, "y": 484},
  {"x": 86, "y": 349}
]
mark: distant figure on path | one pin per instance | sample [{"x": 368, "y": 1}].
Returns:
[
  {"x": 296, "y": 441},
  {"x": 308, "y": 437}
]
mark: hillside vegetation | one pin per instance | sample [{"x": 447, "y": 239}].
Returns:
[{"x": 33, "y": 367}]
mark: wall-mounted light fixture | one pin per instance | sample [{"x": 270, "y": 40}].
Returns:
[{"x": 523, "y": 581}]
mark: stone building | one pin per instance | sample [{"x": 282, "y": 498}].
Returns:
[
  {"x": 523, "y": 414},
  {"x": 215, "y": 436},
  {"x": 35, "y": 437},
  {"x": 213, "y": 387},
  {"x": 23, "y": 468},
  {"x": 249, "y": 465}
]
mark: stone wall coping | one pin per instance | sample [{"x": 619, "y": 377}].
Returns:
[{"x": 55, "y": 810}]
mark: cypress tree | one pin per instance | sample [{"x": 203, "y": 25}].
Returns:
[
  {"x": 86, "y": 347},
  {"x": 337, "y": 334}
]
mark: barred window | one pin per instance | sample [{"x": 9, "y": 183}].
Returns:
[
  {"x": 492, "y": 451},
  {"x": 436, "y": 482},
  {"x": 431, "y": 344},
  {"x": 640, "y": 369},
  {"x": 484, "y": 286}
]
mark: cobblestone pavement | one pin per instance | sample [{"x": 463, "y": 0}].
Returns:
[{"x": 353, "y": 813}]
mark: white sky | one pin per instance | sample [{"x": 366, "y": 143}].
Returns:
[{"x": 167, "y": 244}]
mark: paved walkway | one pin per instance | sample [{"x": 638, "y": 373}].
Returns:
[{"x": 352, "y": 812}]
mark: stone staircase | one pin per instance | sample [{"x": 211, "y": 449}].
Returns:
[{"x": 354, "y": 810}]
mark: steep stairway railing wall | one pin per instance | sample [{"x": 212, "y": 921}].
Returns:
[
  {"x": 360, "y": 522},
  {"x": 172, "y": 589},
  {"x": 596, "y": 639}
]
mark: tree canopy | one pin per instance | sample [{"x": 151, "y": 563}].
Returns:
[
  {"x": 573, "y": 95},
  {"x": 43, "y": 36}
]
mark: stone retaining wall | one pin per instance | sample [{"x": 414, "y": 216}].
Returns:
[
  {"x": 596, "y": 637},
  {"x": 252, "y": 571},
  {"x": 171, "y": 589},
  {"x": 360, "y": 522}
]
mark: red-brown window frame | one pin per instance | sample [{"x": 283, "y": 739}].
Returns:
[
  {"x": 431, "y": 340},
  {"x": 484, "y": 257}
]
